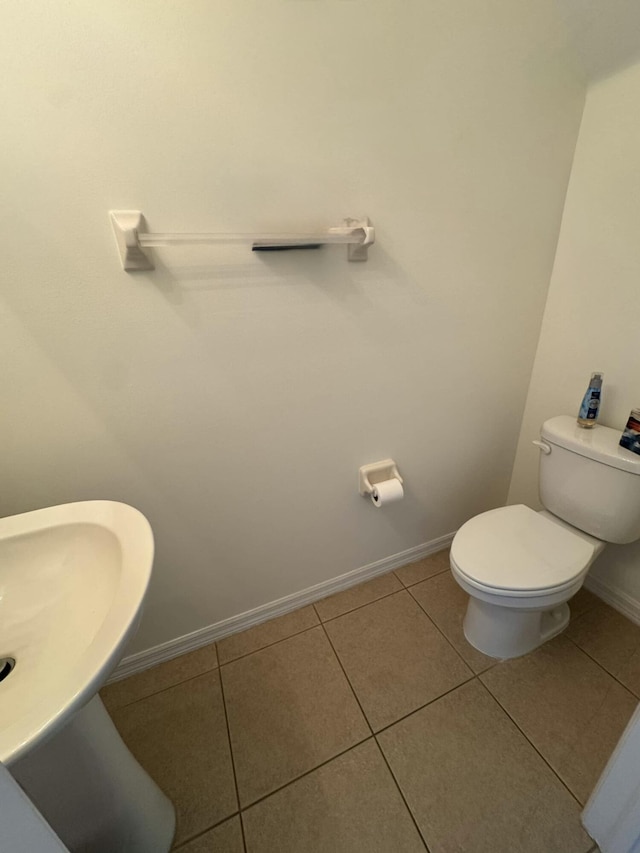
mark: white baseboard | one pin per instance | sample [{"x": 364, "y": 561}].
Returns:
[
  {"x": 203, "y": 636},
  {"x": 620, "y": 601}
]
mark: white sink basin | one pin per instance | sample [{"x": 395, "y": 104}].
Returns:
[{"x": 72, "y": 582}]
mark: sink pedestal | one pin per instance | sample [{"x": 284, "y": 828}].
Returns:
[{"x": 93, "y": 792}]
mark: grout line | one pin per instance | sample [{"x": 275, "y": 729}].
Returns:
[
  {"x": 372, "y": 736},
  {"x": 532, "y": 744},
  {"x": 442, "y": 633},
  {"x": 233, "y": 762},
  {"x": 155, "y": 692},
  {"x": 376, "y": 741},
  {"x": 344, "y": 672},
  {"x": 603, "y": 668},
  {"x": 420, "y": 707},
  {"x": 269, "y": 645},
  {"x": 320, "y": 622},
  {"x": 242, "y": 831},
  {"x": 239, "y": 812},
  {"x": 306, "y": 773},
  {"x": 323, "y": 763},
  {"x": 422, "y": 580},
  {"x": 400, "y": 791},
  {"x": 403, "y": 588},
  {"x": 213, "y": 826},
  {"x": 365, "y": 604},
  {"x": 496, "y": 661},
  {"x": 414, "y": 710},
  {"x": 426, "y": 705}
]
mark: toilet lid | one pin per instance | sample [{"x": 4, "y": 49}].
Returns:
[{"x": 515, "y": 548}]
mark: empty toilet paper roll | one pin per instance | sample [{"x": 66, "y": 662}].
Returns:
[{"x": 387, "y": 492}]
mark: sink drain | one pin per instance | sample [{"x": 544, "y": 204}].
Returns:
[{"x": 6, "y": 667}]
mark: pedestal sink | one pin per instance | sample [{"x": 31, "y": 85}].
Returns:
[{"x": 72, "y": 583}]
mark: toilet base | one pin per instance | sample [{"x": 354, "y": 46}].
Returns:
[
  {"x": 92, "y": 791},
  {"x": 507, "y": 632}
]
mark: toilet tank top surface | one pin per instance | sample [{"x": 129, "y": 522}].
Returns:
[{"x": 516, "y": 548}]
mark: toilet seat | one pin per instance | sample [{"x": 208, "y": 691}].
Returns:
[{"x": 517, "y": 552}]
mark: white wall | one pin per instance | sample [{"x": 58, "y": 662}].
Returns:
[
  {"x": 603, "y": 35},
  {"x": 592, "y": 318},
  {"x": 232, "y": 397}
]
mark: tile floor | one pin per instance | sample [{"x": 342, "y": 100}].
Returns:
[{"x": 367, "y": 723}]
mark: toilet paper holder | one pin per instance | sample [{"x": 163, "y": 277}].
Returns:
[{"x": 377, "y": 472}]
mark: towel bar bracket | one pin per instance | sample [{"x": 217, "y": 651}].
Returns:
[{"x": 127, "y": 224}]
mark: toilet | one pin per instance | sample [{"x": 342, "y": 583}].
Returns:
[{"x": 520, "y": 567}]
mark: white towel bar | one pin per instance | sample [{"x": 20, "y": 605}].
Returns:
[{"x": 132, "y": 239}]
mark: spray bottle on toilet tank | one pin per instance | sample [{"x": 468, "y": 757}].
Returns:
[{"x": 588, "y": 414}]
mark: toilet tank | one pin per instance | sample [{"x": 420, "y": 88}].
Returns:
[{"x": 590, "y": 481}]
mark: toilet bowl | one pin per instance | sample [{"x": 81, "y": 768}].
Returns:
[{"x": 520, "y": 567}]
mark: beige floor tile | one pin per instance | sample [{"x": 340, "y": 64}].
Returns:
[
  {"x": 159, "y": 677},
  {"x": 394, "y": 657},
  {"x": 582, "y": 602},
  {"x": 423, "y": 569},
  {"x": 611, "y": 639},
  {"x": 225, "y": 838},
  {"x": 569, "y": 708},
  {"x": 474, "y": 783},
  {"x": 180, "y": 737},
  {"x": 350, "y": 805},
  {"x": 290, "y": 708},
  {"x": 266, "y": 634},
  {"x": 356, "y": 596},
  {"x": 446, "y": 603}
]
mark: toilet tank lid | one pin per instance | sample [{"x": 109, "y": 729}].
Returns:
[{"x": 600, "y": 443}]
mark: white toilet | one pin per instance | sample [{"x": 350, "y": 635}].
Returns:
[{"x": 520, "y": 567}]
